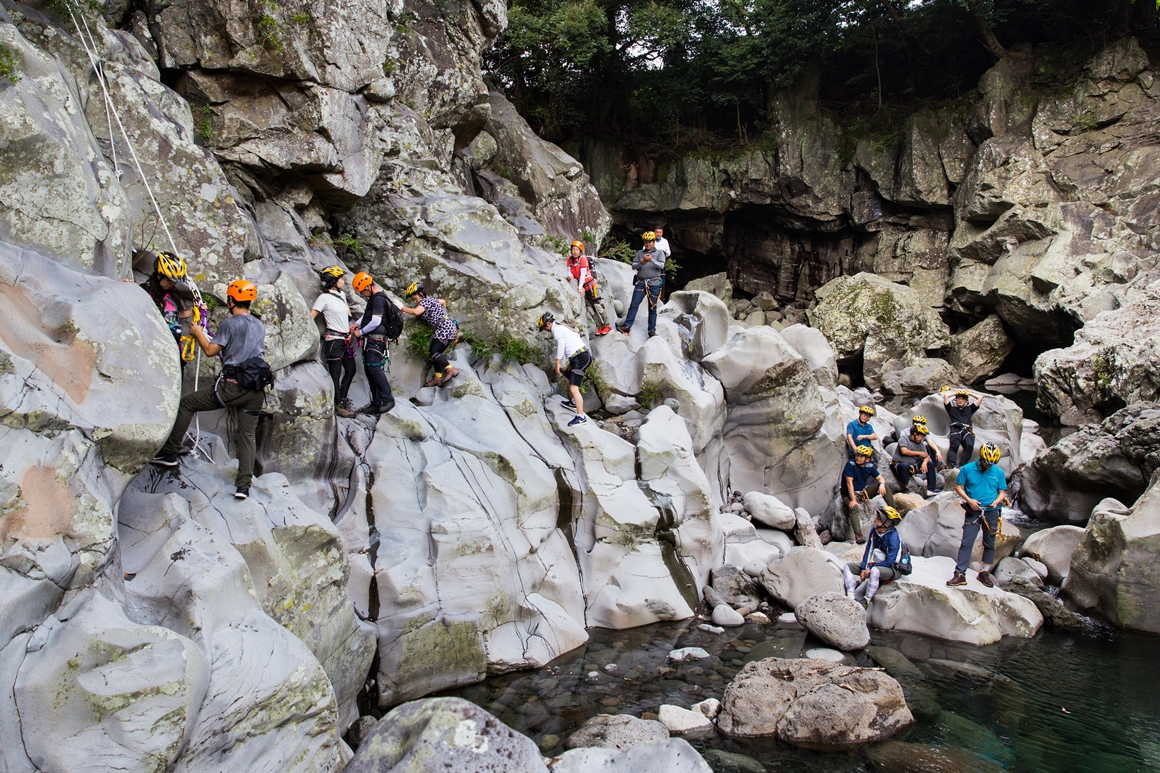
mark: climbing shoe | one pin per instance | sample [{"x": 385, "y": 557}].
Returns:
[
  {"x": 243, "y": 492},
  {"x": 371, "y": 409},
  {"x": 986, "y": 578},
  {"x": 622, "y": 329},
  {"x": 344, "y": 410},
  {"x": 958, "y": 579},
  {"x": 450, "y": 374},
  {"x": 569, "y": 404},
  {"x": 603, "y": 331},
  {"x": 581, "y": 419},
  {"x": 387, "y": 406},
  {"x": 165, "y": 460},
  {"x": 652, "y": 334}
]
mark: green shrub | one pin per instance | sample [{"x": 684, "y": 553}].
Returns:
[
  {"x": 618, "y": 250},
  {"x": 203, "y": 122},
  {"x": 352, "y": 244},
  {"x": 9, "y": 63},
  {"x": 419, "y": 340},
  {"x": 650, "y": 394},
  {"x": 300, "y": 18}
]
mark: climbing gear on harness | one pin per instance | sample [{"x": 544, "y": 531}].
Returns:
[
  {"x": 414, "y": 288},
  {"x": 579, "y": 244},
  {"x": 989, "y": 453},
  {"x": 331, "y": 274},
  {"x": 171, "y": 266},
  {"x": 649, "y": 236},
  {"x": 545, "y": 319},
  {"x": 188, "y": 348},
  {"x": 362, "y": 280},
  {"x": 864, "y": 450},
  {"x": 866, "y": 409},
  {"x": 242, "y": 290}
]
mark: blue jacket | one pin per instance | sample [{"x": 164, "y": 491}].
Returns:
[{"x": 889, "y": 543}]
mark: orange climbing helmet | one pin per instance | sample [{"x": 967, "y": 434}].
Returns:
[
  {"x": 242, "y": 290},
  {"x": 578, "y": 244},
  {"x": 362, "y": 280}
]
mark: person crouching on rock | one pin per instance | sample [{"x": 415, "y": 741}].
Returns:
[
  {"x": 861, "y": 482},
  {"x": 241, "y": 343},
  {"x": 914, "y": 456},
  {"x": 983, "y": 488},
  {"x": 569, "y": 346},
  {"x": 371, "y": 330},
  {"x": 433, "y": 311},
  {"x": 580, "y": 266},
  {"x": 336, "y": 349},
  {"x": 879, "y": 561}
]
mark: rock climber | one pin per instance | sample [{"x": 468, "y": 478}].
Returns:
[
  {"x": 961, "y": 410},
  {"x": 337, "y": 351},
  {"x": 879, "y": 561},
  {"x": 240, "y": 341},
  {"x": 580, "y": 265},
  {"x": 663, "y": 243},
  {"x": 433, "y": 311},
  {"x": 371, "y": 331},
  {"x": 169, "y": 271},
  {"x": 861, "y": 482},
  {"x": 571, "y": 347},
  {"x": 649, "y": 265},
  {"x": 860, "y": 431},
  {"x": 983, "y": 488},
  {"x": 914, "y": 456}
]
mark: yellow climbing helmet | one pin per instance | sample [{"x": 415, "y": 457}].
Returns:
[
  {"x": 864, "y": 450},
  {"x": 545, "y": 319},
  {"x": 649, "y": 236},
  {"x": 866, "y": 409},
  {"x": 962, "y": 393},
  {"x": 893, "y": 518},
  {"x": 171, "y": 266},
  {"x": 918, "y": 419},
  {"x": 414, "y": 288},
  {"x": 331, "y": 274},
  {"x": 989, "y": 453}
]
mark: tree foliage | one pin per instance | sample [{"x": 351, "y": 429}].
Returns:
[{"x": 686, "y": 72}]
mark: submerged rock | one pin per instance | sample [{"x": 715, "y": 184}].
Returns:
[
  {"x": 903, "y": 757},
  {"x": 616, "y": 731}
]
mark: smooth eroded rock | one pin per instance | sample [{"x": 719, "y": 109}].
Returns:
[{"x": 836, "y": 619}]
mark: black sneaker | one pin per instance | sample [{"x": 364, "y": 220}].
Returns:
[
  {"x": 371, "y": 409},
  {"x": 387, "y": 406},
  {"x": 569, "y": 404},
  {"x": 165, "y": 460},
  {"x": 243, "y": 492}
]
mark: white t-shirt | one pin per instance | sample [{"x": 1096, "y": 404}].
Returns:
[
  {"x": 334, "y": 310},
  {"x": 663, "y": 246},
  {"x": 568, "y": 341}
]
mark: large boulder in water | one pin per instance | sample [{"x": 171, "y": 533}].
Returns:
[
  {"x": 803, "y": 573},
  {"x": 1115, "y": 571},
  {"x": 616, "y": 731},
  {"x": 1053, "y": 548},
  {"x": 813, "y": 703},
  {"x": 836, "y": 619}
]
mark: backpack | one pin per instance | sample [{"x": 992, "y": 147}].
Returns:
[
  {"x": 905, "y": 566},
  {"x": 254, "y": 374},
  {"x": 392, "y": 320}
]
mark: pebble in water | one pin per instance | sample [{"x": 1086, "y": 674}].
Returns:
[
  {"x": 710, "y": 628},
  {"x": 825, "y": 653},
  {"x": 688, "y": 653}
]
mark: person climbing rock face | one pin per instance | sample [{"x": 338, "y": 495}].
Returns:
[
  {"x": 983, "y": 488},
  {"x": 960, "y": 410},
  {"x": 445, "y": 332},
  {"x": 860, "y": 431},
  {"x": 880, "y": 560},
  {"x": 569, "y": 346},
  {"x": 240, "y": 341},
  {"x": 649, "y": 265},
  {"x": 168, "y": 271},
  {"x": 372, "y": 333},
  {"x": 861, "y": 482},
  {"x": 337, "y": 352},
  {"x": 580, "y": 266},
  {"x": 914, "y": 456}
]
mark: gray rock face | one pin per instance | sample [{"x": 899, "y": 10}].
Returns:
[
  {"x": 980, "y": 351},
  {"x": 1011, "y": 569},
  {"x": 450, "y": 733},
  {"x": 800, "y": 702},
  {"x": 675, "y": 755},
  {"x": 617, "y": 731},
  {"x": 805, "y": 572},
  {"x": 1053, "y": 548},
  {"x": 836, "y": 619}
]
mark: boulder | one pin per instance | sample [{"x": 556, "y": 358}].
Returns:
[
  {"x": 731, "y": 762},
  {"x": 811, "y": 344},
  {"x": 1055, "y": 614},
  {"x": 1114, "y": 569},
  {"x": 980, "y": 351},
  {"x": 1053, "y": 548},
  {"x": 803, "y": 573},
  {"x": 688, "y": 653},
  {"x": 674, "y": 755},
  {"x": 727, "y": 617},
  {"x": 735, "y": 587},
  {"x": 1011, "y": 568},
  {"x": 770, "y": 511},
  {"x": 710, "y": 707},
  {"x": 905, "y": 502},
  {"x": 702, "y": 318},
  {"x": 896, "y": 664},
  {"x": 805, "y": 532},
  {"x": 836, "y": 619},
  {"x": 972, "y": 614},
  {"x": 813, "y": 703},
  {"x": 685, "y": 723},
  {"x": 919, "y": 376},
  {"x": 448, "y": 733},
  {"x": 616, "y": 731}
]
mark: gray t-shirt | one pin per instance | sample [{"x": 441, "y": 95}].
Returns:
[
  {"x": 241, "y": 337},
  {"x": 652, "y": 269},
  {"x": 911, "y": 445}
]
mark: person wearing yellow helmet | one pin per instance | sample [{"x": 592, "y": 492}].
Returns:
[
  {"x": 982, "y": 486},
  {"x": 337, "y": 352},
  {"x": 649, "y": 265},
  {"x": 240, "y": 342},
  {"x": 861, "y": 482},
  {"x": 860, "y": 431},
  {"x": 915, "y": 456},
  {"x": 433, "y": 311},
  {"x": 961, "y": 406},
  {"x": 880, "y": 561},
  {"x": 580, "y": 267},
  {"x": 164, "y": 287}
]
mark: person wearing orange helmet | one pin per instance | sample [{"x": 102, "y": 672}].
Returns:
[
  {"x": 372, "y": 331},
  {"x": 240, "y": 342},
  {"x": 580, "y": 266}
]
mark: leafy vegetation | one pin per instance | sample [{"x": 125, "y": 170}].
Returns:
[
  {"x": 203, "y": 122},
  {"x": 419, "y": 339},
  {"x": 300, "y": 18},
  {"x": 9, "y": 64},
  {"x": 618, "y": 250},
  {"x": 650, "y": 394},
  {"x": 509, "y": 347},
  {"x": 352, "y": 244}
]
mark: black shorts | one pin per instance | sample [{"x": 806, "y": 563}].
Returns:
[
  {"x": 333, "y": 350},
  {"x": 576, "y": 367}
]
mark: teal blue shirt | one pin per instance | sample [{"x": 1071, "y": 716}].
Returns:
[{"x": 983, "y": 487}]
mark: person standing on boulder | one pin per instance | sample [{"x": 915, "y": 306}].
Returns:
[
  {"x": 649, "y": 266},
  {"x": 983, "y": 488},
  {"x": 569, "y": 346},
  {"x": 372, "y": 331},
  {"x": 861, "y": 482},
  {"x": 914, "y": 456},
  {"x": 663, "y": 244},
  {"x": 336, "y": 349},
  {"x": 580, "y": 266},
  {"x": 241, "y": 342},
  {"x": 879, "y": 561},
  {"x": 433, "y": 311},
  {"x": 961, "y": 411},
  {"x": 860, "y": 431}
]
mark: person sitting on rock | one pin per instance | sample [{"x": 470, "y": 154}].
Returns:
[
  {"x": 433, "y": 311},
  {"x": 240, "y": 340},
  {"x": 983, "y": 488},
  {"x": 371, "y": 331},
  {"x": 569, "y": 346},
  {"x": 169, "y": 271},
  {"x": 336, "y": 349},
  {"x": 649, "y": 265},
  {"x": 880, "y": 559},
  {"x": 860, "y": 431},
  {"x": 960, "y": 410},
  {"x": 914, "y": 456},
  {"x": 861, "y": 482},
  {"x": 580, "y": 266}
]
